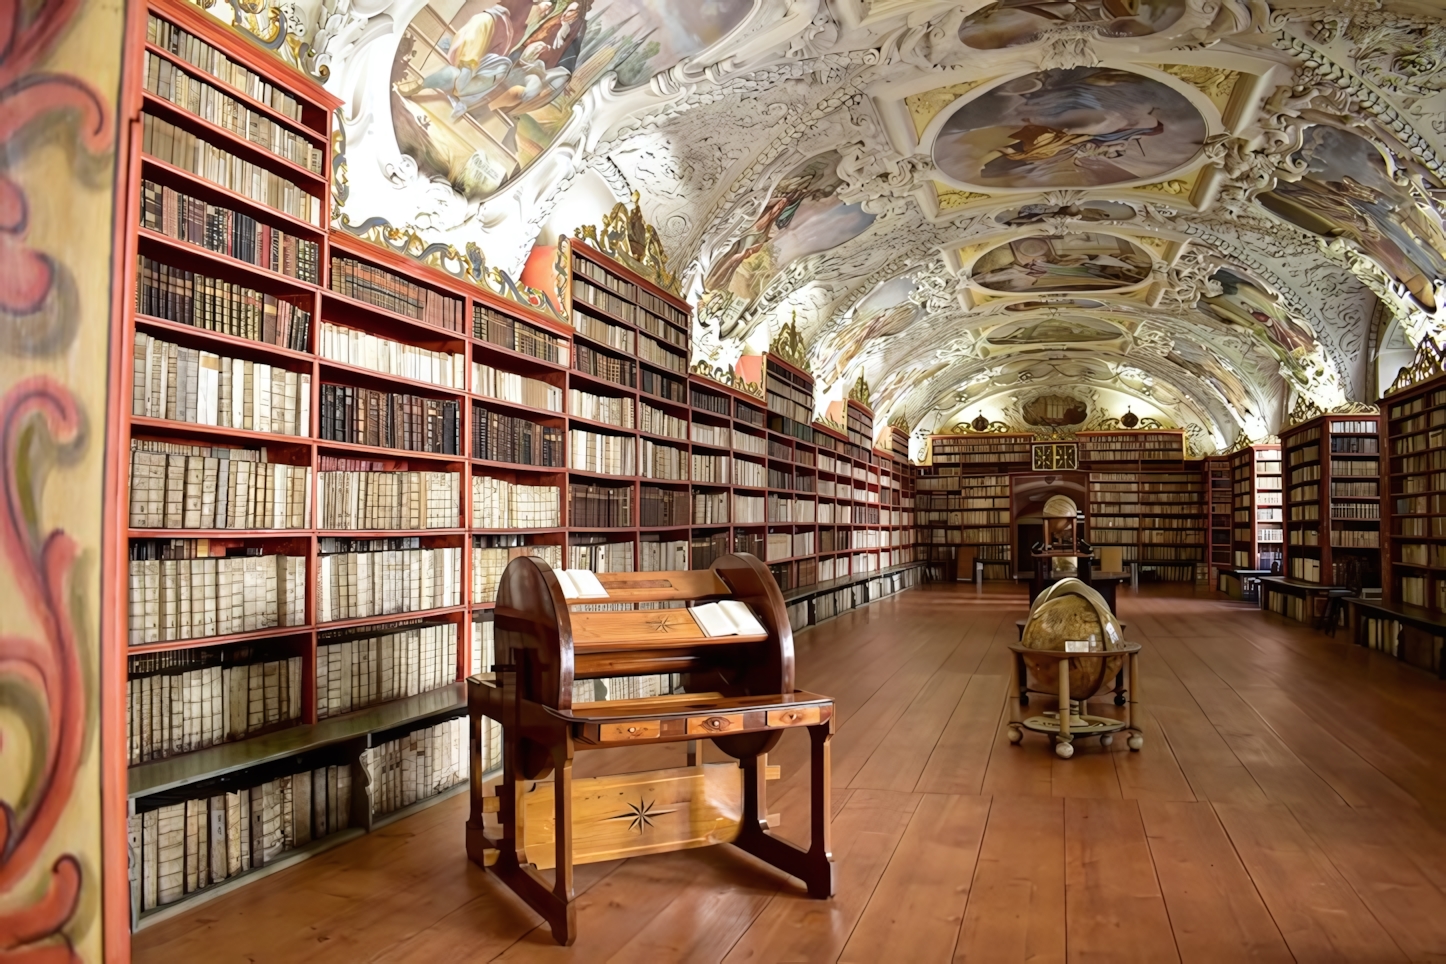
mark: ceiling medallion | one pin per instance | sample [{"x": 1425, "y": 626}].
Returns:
[
  {"x": 860, "y": 392},
  {"x": 1028, "y": 132},
  {"x": 979, "y": 426},
  {"x": 1129, "y": 419},
  {"x": 626, "y": 236},
  {"x": 788, "y": 345}
]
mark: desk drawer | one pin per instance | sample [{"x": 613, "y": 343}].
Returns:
[
  {"x": 798, "y": 716},
  {"x": 634, "y": 730},
  {"x": 710, "y": 725}
]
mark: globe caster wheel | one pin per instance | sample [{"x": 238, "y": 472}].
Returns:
[
  {"x": 1064, "y": 750},
  {"x": 1136, "y": 741},
  {"x": 1015, "y": 734},
  {"x": 1120, "y": 699},
  {"x": 1107, "y": 739}
]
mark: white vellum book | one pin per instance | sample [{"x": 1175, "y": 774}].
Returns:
[
  {"x": 579, "y": 584},
  {"x": 731, "y": 617}
]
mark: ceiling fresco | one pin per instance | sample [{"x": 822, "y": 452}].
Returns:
[{"x": 1207, "y": 212}]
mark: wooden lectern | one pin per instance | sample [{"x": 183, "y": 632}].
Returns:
[{"x": 739, "y": 693}]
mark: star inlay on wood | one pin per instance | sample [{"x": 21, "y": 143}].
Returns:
[
  {"x": 640, "y": 815},
  {"x": 665, "y": 623}
]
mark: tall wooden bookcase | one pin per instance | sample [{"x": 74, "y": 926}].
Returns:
[
  {"x": 1258, "y": 511},
  {"x": 390, "y": 367},
  {"x": 1219, "y": 505},
  {"x": 1332, "y": 467},
  {"x": 1413, "y": 531}
]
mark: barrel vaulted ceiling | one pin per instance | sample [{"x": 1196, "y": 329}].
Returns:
[{"x": 1207, "y": 212}]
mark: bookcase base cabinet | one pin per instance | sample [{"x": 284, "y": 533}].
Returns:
[{"x": 556, "y": 825}]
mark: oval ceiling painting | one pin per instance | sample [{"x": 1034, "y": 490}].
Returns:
[
  {"x": 1010, "y": 23},
  {"x": 1074, "y": 128},
  {"x": 1074, "y": 262},
  {"x": 480, "y": 88},
  {"x": 1070, "y": 330}
]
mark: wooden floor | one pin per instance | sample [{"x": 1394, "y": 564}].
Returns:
[{"x": 1288, "y": 804}]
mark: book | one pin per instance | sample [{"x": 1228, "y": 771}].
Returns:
[
  {"x": 728, "y": 617},
  {"x": 579, "y": 584}
]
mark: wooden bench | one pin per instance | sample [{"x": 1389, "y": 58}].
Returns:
[
  {"x": 739, "y": 694},
  {"x": 1413, "y": 634}
]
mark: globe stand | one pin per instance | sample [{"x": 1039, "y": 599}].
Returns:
[{"x": 1076, "y": 722}]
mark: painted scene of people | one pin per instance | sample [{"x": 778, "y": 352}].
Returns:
[
  {"x": 480, "y": 89},
  {"x": 1074, "y": 262},
  {"x": 885, "y": 311},
  {"x": 1242, "y": 302},
  {"x": 1347, "y": 192},
  {"x": 1080, "y": 127},
  {"x": 1010, "y": 23},
  {"x": 802, "y": 216}
]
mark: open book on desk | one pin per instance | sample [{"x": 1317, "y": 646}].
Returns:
[
  {"x": 730, "y": 617},
  {"x": 579, "y": 584}
]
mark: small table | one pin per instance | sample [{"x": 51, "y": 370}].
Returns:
[
  {"x": 1065, "y": 724},
  {"x": 1104, "y": 583},
  {"x": 1246, "y": 583},
  {"x": 1295, "y": 587}
]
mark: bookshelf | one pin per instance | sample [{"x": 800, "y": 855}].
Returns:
[
  {"x": 1414, "y": 554},
  {"x": 1157, "y": 519},
  {"x": 1218, "y": 496},
  {"x": 1135, "y": 446},
  {"x": 1332, "y": 467},
  {"x": 1257, "y": 507},
  {"x": 335, "y": 450}
]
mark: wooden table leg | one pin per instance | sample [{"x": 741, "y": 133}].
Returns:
[
  {"x": 1137, "y": 736},
  {"x": 1063, "y": 747},
  {"x": 814, "y": 866}
]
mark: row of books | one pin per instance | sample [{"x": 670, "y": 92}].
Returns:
[
  {"x": 705, "y": 434},
  {"x": 1429, "y": 461},
  {"x": 362, "y": 349},
  {"x": 177, "y": 712},
  {"x": 604, "y": 454},
  {"x": 512, "y": 387},
  {"x": 613, "y": 336},
  {"x": 192, "y": 598},
  {"x": 712, "y": 468},
  {"x": 507, "y": 332},
  {"x": 600, "y": 408},
  {"x": 655, "y": 555},
  {"x": 352, "y": 674},
  {"x": 421, "y": 764},
  {"x": 182, "y": 149},
  {"x": 361, "y": 583},
  {"x": 168, "y": 82},
  {"x": 506, "y": 438},
  {"x": 216, "y": 228},
  {"x": 1421, "y": 422},
  {"x": 1418, "y": 553},
  {"x": 201, "y": 55},
  {"x": 662, "y": 386},
  {"x": 370, "y": 498},
  {"x": 189, "y": 385},
  {"x": 658, "y": 422},
  {"x": 174, "y": 486},
  {"x": 391, "y": 292},
  {"x": 599, "y": 506},
  {"x": 626, "y": 687},
  {"x": 786, "y": 545},
  {"x": 189, "y": 298},
  {"x": 784, "y": 509},
  {"x": 654, "y": 353},
  {"x": 634, "y": 293},
  {"x": 665, "y": 462},
  {"x": 710, "y": 508},
  {"x": 619, "y": 371},
  {"x": 663, "y": 507},
  {"x": 394, "y": 420},
  {"x": 489, "y": 562},
  {"x": 602, "y": 557},
  {"x": 186, "y": 847},
  {"x": 500, "y": 504}
]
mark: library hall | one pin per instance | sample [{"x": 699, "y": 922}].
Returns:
[{"x": 726, "y": 482}]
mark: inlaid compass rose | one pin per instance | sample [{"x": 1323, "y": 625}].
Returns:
[
  {"x": 663, "y": 624},
  {"x": 640, "y": 815}
]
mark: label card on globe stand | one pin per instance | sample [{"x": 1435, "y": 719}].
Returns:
[{"x": 1078, "y": 646}]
